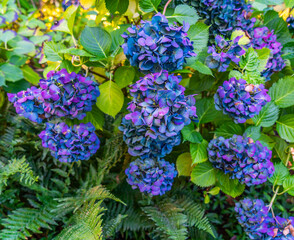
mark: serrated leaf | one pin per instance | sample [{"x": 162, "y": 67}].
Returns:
[
  {"x": 236, "y": 74},
  {"x": 244, "y": 40},
  {"x": 7, "y": 35},
  {"x": 184, "y": 164},
  {"x": 11, "y": 72},
  {"x": 199, "y": 34},
  {"x": 282, "y": 92},
  {"x": 285, "y": 127},
  {"x": 199, "y": 152},
  {"x": 111, "y": 98},
  {"x": 202, "y": 68},
  {"x": 96, "y": 117},
  {"x": 124, "y": 76},
  {"x": 184, "y": 13},
  {"x": 288, "y": 185},
  {"x": 263, "y": 56},
  {"x": 249, "y": 61},
  {"x": 281, "y": 147},
  {"x": 227, "y": 130},
  {"x": 190, "y": 134},
  {"x": 52, "y": 51},
  {"x": 253, "y": 132},
  {"x": 203, "y": 174},
  {"x": 267, "y": 141},
  {"x": 70, "y": 15},
  {"x": 23, "y": 47},
  {"x": 229, "y": 186},
  {"x": 214, "y": 191},
  {"x": 268, "y": 115},
  {"x": 114, "y": 6},
  {"x": 96, "y": 41},
  {"x": 149, "y": 5},
  {"x": 206, "y": 111},
  {"x": 30, "y": 75},
  {"x": 280, "y": 174}
]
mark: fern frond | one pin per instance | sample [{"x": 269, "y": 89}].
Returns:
[
  {"x": 169, "y": 219},
  {"x": 111, "y": 226}
]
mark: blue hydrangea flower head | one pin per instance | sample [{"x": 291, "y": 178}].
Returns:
[
  {"x": 68, "y": 94},
  {"x": 159, "y": 103},
  {"x": 242, "y": 159},
  {"x": 240, "y": 100},
  {"x": 223, "y": 52},
  {"x": 151, "y": 176},
  {"x": 262, "y": 37},
  {"x": 290, "y": 21},
  {"x": 70, "y": 144},
  {"x": 155, "y": 45},
  {"x": 28, "y": 104}
]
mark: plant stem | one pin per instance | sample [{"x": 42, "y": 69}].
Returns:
[
  {"x": 165, "y": 7},
  {"x": 273, "y": 199}
]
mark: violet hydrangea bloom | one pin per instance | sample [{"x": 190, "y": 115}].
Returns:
[
  {"x": 223, "y": 53},
  {"x": 156, "y": 45},
  {"x": 70, "y": 144},
  {"x": 152, "y": 176},
  {"x": 290, "y": 21},
  {"x": 240, "y": 100},
  {"x": 68, "y": 94},
  {"x": 28, "y": 104},
  {"x": 242, "y": 159},
  {"x": 159, "y": 103},
  {"x": 262, "y": 37}
]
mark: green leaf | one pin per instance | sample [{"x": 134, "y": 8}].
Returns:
[
  {"x": 185, "y": 13},
  {"x": 2, "y": 79},
  {"x": 227, "y": 130},
  {"x": 270, "y": 2},
  {"x": 244, "y": 40},
  {"x": 23, "y": 47},
  {"x": 124, "y": 76},
  {"x": 288, "y": 185},
  {"x": 263, "y": 56},
  {"x": 249, "y": 61},
  {"x": 280, "y": 174},
  {"x": 149, "y": 5},
  {"x": 203, "y": 175},
  {"x": 267, "y": 141},
  {"x": 285, "y": 127},
  {"x": 96, "y": 41},
  {"x": 117, "y": 39},
  {"x": 120, "y": 6},
  {"x": 12, "y": 73},
  {"x": 52, "y": 51},
  {"x": 289, "y": 3},
  {"x": 199, "y": 34},
  {"x": 253, "y": 132},
  {"x": 199, "y": 152},
  {"x": 202, "y": 68},
  {"x": 229, "y": 186},
  {"x": 184, "y": 164},
  {"x": 206, "y": 111},
  {"x": 268, "y": 115},
  {"x": 30, "y": 75},
  {"x": 111, "y": 98},
  {"x": 96, "y": 117},
  {"x": 236, "y": 74},
  {"x": 70, "y": 15},
  {"x": 190, "y": 134},
  {"x": 282, "y": 92},
  {"x": 62, "y": 26},
  {"x": 7, "y": 35},
  {"x": 214, "y": 191},
  {"x": 76, "y": 52},
  {"x": 281, "y": 149}
]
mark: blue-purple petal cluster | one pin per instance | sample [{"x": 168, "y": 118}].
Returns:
[
  {"x": 68, "y": 94},
  {"x": 290, "y": 21},
  {"x": 241, "y": 158},
  {"x": 262, "y": 37},
  {"x": 259, "y": 223},
  {"x": 28, "y": 104},
  {"x": 223, "y": 52},
  {"x": 152, "y": 176},
  {"x": 70, "y": 144},
  {"x": 156, "y": 45},
  {"x": 240, "y": 100},
  {"x": 223, "y": 16}
]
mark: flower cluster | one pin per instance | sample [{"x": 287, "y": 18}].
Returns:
[
  {"x": 68, "y": 94},
  {"x": 70, "y": 144},
  {"x": 242, "y": 159},
  {"x": 28, "y": 104},
  {"x": 223, "y": 16},
  {"x": 151, "y": 176},
  {"x": 290, "y": 21},
  {"x": 156, "y": 45},
  {"x": 259, "y": 223},
  {"x": 158, "y": 112},
  {"x": 223, "y": 53},
  {"x": 240, "y": 100},
  {"x": 262, "y": 37},
  {"x": 68, "y": 3}
]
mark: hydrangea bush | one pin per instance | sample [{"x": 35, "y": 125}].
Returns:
[{"x": 179, "y": 112}]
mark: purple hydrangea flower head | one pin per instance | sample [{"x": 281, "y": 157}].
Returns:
[
  {"x": 262, "y": 37},
  {"x": 290, "y": 21},
  {"x": 241, "y": 158},
  {"x": 152, "y": 176},
  {"x": 68, "y": 3},
  {"x": 240, "y": 100},
  {"x": 223, "y": 16},
  {"x": 70, "y": 144},
  {"x": 223, "y": 53},
  {"x": 28, "y": 104},
  {"x": 68, "y": 94},
  {"x": 159, "y": 103},
  {"x": 146, "y": 146},
  {"x": 156, "y": 45}
]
